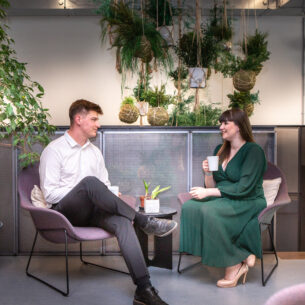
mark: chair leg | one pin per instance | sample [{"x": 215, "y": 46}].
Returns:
[
  {"x": 265, "y": 279},
  {"x": 65, "y": 293},
  {"x": 186, "y": 268},
  {"x": 101, "y": 266}
]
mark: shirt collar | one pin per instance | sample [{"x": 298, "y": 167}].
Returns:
[{"x": 72, "y": 142}]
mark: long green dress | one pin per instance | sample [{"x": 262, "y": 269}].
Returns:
[{"x": 224, "y": 230}]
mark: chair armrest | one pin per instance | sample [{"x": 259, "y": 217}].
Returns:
[
  {"x": 266, "y": 215},
  {"x": 183, "y": 197},
  {"x": 130, "y": 200}
]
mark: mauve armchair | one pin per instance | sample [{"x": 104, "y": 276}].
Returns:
[
  {"x": 293, "y": 295},
  {"x": 265, "y": 218},
  {"x": 55, "y": 227}
]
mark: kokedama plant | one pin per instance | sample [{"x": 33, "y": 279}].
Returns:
[
  {"x": 129, "y": 113},
  {"x": 22, "y": 115},
  {"x": 244, "y": 101}
]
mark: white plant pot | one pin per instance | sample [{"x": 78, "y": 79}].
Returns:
[
  {"x": 198, "y": 77},
  {"x": 152, "y": 205}
]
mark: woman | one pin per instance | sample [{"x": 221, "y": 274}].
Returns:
[{"x": 220, "y": 223}]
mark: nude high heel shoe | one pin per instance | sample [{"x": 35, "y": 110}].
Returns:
[{"x": 243, "y": 270}]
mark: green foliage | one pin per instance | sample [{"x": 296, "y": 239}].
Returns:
[
  {"x": 183, "y": 74},
  {"x": 241, "y": 99},
  {"x": 157, "y": 97},
  {"x": 22, "y": 115},
  {"x": 257, "y": 53},
  {"x": 127, "y": 30},
  {"x": 188, "y": 48},
  {"x": 165, "y": 12},
  {"x": 216, "y": 25},
  {"x": 206, "y": 115},
  {"x": 142, "y": 87},
  {"x": 128, "y": 100},
  {"x": 146, "y": 186},
  {"x": 156, "y": 191}
]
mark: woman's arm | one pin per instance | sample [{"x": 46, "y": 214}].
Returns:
[{"x": 201, "y": 192}]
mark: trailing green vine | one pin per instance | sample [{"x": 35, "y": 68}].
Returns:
[{"x": 22, "y": 115}]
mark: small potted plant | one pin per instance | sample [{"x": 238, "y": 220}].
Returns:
[
  {"x": 129, "y": 113},
  {"x": 142, "y": 198},
  {"x": 152, "y": 203}
]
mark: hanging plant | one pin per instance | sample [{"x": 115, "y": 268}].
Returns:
[
  {"x": 158, "y": 100},
  {"x": 183, "y": 77},
  {"x": 22, "y": 116},
  {"x": 257, "y": 53},
  {"x": 244, "y": 80},
  {"x": 129, "y": 113},
  {"x": 134, "y": 37},
  {"x": 244, "y": 101}
]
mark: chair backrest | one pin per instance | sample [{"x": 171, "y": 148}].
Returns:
[
  {"x": 294, "y": 295},
  {"x": 282, "y": 197}
]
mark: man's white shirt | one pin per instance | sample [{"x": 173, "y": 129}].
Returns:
[{"x": 64, "y": 163}]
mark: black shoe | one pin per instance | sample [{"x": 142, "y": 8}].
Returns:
[
  {"x": 147, "y": 296},
  {"x": 159, "y": 227}
]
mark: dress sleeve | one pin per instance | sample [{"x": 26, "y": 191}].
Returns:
[{"x": 252, "y": 171}]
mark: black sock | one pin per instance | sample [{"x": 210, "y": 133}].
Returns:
[
  {"x": 141, "y": 219},
  {"x": 143, "y": 283}
]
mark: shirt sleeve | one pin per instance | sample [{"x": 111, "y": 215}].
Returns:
[
  {"x": 102, "y": 170},
  {"x": 49, "y": 173},
  {"x": 252, "y": 171}
]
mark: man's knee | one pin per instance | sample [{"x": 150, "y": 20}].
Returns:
[{"x": 93, "y": 182}]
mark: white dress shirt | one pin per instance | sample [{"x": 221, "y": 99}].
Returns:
[{"x": 64, "y": 163}]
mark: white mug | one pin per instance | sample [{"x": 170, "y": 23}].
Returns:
[
  {"x": 213, "y": 163},
  {"x": 114, "y": 189}
]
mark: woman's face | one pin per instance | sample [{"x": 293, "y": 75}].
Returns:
[{"x": 229, "y": 130}]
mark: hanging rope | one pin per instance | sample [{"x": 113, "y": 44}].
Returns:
[{"x": 157, "y": 13}]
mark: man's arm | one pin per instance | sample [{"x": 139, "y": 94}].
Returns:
[{"x": 49, "y": 173}]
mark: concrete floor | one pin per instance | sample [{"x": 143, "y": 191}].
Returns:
[{"x": 91, "y": 286}]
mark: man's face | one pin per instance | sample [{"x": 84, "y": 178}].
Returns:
[{"x": 89, "y": 123}]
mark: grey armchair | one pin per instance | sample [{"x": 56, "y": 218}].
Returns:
[{"x": 55, "y": 227}]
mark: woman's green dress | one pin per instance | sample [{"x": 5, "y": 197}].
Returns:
[{"x": 224, "y": 230}]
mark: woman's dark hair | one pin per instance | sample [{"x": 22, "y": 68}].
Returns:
[
  {"x": 240, "y": 118},
  {"x": 82, "y": 106}
]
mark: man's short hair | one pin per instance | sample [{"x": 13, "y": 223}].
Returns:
[{"x": 83, "y": 106}]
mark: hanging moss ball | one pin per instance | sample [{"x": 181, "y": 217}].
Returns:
[
  {"x": 244, "y": 80},
  {"x": 128, "y": 113},
  {"x": 157, "y": 116},
  {"x": 249, "y": 108},
  {"x": 144, "y": 50}
]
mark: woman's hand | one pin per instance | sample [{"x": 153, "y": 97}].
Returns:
[
  {"x": 198, "y": 192},
  {"x": 205, "y": 167}
]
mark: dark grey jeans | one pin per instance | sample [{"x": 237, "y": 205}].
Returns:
[{"x": 90, "y": 203}]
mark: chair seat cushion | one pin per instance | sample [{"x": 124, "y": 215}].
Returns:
[
  {"x": 91, "y": 233},
  {"x": 271, "y": 188}
]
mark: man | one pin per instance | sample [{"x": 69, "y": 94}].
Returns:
[{"x": 74, "y": 180}]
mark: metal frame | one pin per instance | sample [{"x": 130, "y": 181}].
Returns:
[
  {"x": 265, "y": 279},
  {"x": 186, "y": 268},
  {"x": 67, "y": 291}
]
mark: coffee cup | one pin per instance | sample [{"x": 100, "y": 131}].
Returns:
[
  {"x": 114, "y": 189},
  {"x": 213, "y": 163}
]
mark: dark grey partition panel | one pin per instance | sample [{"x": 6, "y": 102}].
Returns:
[
  {"x": 158, "y": 157},
  {"x": 7, "y": 200},
  {"x": 27, "y": 229}
]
